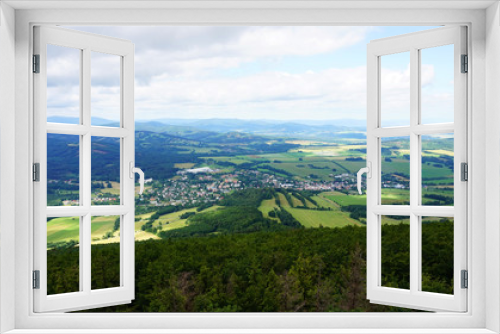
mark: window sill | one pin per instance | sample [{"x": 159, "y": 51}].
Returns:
[{"x": 251, "y": 331}]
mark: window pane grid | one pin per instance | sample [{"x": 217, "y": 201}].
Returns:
[
  {"x": 85, "y": 210},
  {"x": 77, "y": 125},
  {"x": 430, "y": 289},
  {"x": 416, "y": 211}
]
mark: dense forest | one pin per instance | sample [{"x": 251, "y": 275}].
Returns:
[{"x": 293, "y": 270}]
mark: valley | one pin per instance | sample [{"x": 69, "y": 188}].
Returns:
[{"x": 251, "y": 186}]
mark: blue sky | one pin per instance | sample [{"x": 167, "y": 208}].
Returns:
[{"x": 273, "y": 72}]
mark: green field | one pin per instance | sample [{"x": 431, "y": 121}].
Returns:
[
  {"x": 296, "y": 201},
  {"x": 102, "y": 225},
  {"x": 316, "y": 218},
  {"x": 283, "y": 201},
  {"x": 309, "y": 204},
  {"x": 308, "y": 217},
  {"x": 401, "y": 166},
  {"x": 321, "y": 162},
  {"x": 67, "y": 229},
  {"x": 266, "y": 206},
  {"x": 392, "y": 196},
  {"x": 432, "y": 172},
  {"x": 333, "y": 150},
  {"x": 344, "y": 200},
  {"x": 351, "y": 167},
  {"x": 63, "y": 229},
  {"x": 173, "y": 220},
  {"x": 387, "y": 220},
  {"x": 304, "y": 169},
  {"x": 324, "y": 202}
]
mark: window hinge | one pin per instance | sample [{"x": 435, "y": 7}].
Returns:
[
  {"x": 464, "y": 170},
  {"x": 36, "y": 63},
  {"x": 465, "y": 64},
  {"x": 465, "y": 279},
  {"x": 36, "y": 172},
  {"x": 36, "y": 279}
]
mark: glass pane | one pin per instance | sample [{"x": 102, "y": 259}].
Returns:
[
  {"x": 63, "y": 170},
  {"x": 437, "y": 254},
  {"x": 105, "y": 252},
  {"x": 63, "y": 84},
  {"x": 438, "y": 169},
  {"x": 395, "y": 169},
  {"x": 105, "y": 171},
  {"x": 63, "y": 255},
  {"x": 395, "y": 251},
  {"x": 395, "y": 89},
  {"x": 105, "y": 89},
  {"x": 437, "y": 84}
]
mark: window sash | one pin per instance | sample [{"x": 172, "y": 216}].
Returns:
[
  {"x": 414, "y": 298},
  {"x": 86, "y": 297}
]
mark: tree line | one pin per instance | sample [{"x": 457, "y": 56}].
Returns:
[{"x": 293, "y": 270}]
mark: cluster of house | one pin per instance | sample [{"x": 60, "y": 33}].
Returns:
[{"x": 210, "y": 185}]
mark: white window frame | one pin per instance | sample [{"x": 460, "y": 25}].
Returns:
[
  {"x": 413, "y": 44},
  {"x": 85, "y": 298},
  {"x": 484, "y": 308}
]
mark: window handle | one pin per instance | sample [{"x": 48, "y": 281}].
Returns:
[
  {"x": 139, "y": 171},
  {"x": 368, "y": 171}
]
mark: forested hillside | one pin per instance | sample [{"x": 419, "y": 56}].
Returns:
[{"x": 296, "y": 270}]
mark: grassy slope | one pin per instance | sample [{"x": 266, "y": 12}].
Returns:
[
  {"x": 173, "y": 220},
  {"x": 63, "y": 229},
  {"x": 67, "y": 228},
  {"x": 296, "y": 201},
  {"x": 391, "y": 196},
  {"x": 284, "y": 203},
  {"x": 102, "y": 225},
  {"x": 344, "y": 200},
  {"x": 266, "y": 206},
  {"x": 324, "y": 202},
  {"x": 314, "y": 218}
]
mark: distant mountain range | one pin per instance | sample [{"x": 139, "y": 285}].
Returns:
[
  {"x": 155, "y": 152},
  {"x": 74, "y": 120},
  {"x": 199, "y": 129}
]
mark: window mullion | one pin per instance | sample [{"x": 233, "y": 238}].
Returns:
[
  {"x": 86, "y": 148},
  {"x": 85, "y": 167},
  {"x": 414, "y": 171}
]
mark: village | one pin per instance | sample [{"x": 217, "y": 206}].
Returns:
[{"x": 206, "y": 185}]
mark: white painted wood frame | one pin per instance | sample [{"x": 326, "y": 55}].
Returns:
[
  {"x": 415, "y": 297},
  {"x": 482, "y": 315},
  {"x": 85, "y": 298}
]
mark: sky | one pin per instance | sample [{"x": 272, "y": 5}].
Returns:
[{"x": 251, "y": 72}]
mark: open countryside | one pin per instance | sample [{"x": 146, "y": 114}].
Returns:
[{"x": 218, "y": 203}]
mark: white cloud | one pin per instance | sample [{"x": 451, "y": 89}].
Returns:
[
  {"x": 328, "y": 94},
  {"x": 198, "y": 50},
  {"x": 315, "y": 95},
  {"x": 395, "y": 96},
  {"x": 178, "y": 75}
]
